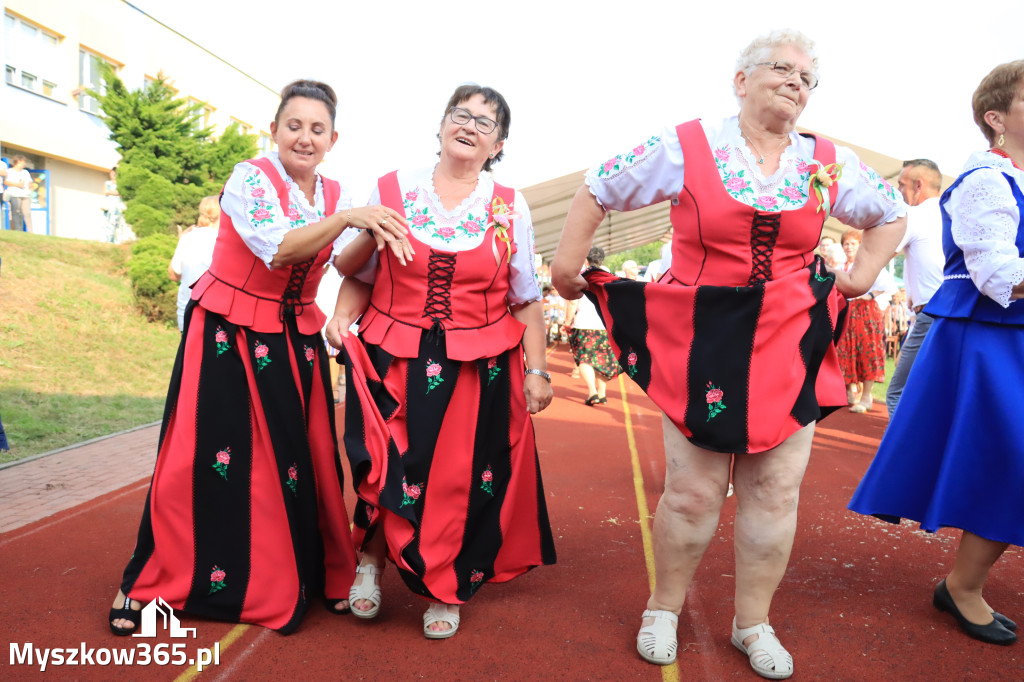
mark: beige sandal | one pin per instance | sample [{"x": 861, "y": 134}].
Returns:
[
  {"x": 369, "y": 591},
  {"x": 438, "y": 613},
  {"x": 657, "y": 643},
  {"x": 767, "y": 656}
]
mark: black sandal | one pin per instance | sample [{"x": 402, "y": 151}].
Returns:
[
  {"x": 332, "y": 606},
  {"x": 591, "y": 401},
  {"x": 126, "y": 612}
]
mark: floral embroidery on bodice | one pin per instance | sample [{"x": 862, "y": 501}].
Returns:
[
  {"x": 785, "y": 190},
  {"x": 459, "y": 229},
  {"x": 261, "y": 202}
]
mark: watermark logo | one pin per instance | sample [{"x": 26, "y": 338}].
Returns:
[{"x": 149, "y": 620}]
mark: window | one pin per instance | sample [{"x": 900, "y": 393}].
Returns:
[
  {"x": 33, "y": 56},
  {"x": 204, "y": 113},
  {"x": 90, "y": 77},
  {"x": 266, "y": 143}
]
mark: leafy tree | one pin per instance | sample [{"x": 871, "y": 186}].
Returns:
[
  {"x": 641, "y": 254},
  {"x": 168, "y": 163}
]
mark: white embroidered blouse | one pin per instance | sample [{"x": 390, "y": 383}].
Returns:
[
  {"x": 251, "y": 202},
  {"x": 655, "y": 171},
  {"x": 984, "y": 223},
  {"x": 461, "y": 229}
]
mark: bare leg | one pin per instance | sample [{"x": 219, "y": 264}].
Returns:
[
  {"x": 865, "y": 397},
  {"x": 974, "y": 558},
  {"x": 590, "y": 377},
  {"x": 767, "y": 491},
  {"x": 602, "y": 386},
  {"x": 695, "y": 484}
]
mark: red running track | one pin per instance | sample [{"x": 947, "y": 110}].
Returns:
[{"x": 854, "y": 605}]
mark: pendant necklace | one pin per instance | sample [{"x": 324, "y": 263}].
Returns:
[{"x": 760, "y": 159}]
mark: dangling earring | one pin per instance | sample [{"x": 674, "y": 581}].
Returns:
[{"x": 1001, "y": 141}]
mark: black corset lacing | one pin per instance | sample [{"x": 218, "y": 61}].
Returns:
[
  {"x": 440, "y": 271},
  {"x": 291, "y": 301},
  {"x": 764, "y": 230}
]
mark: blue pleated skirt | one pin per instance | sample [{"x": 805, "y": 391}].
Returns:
[{"x": 953, "y": 454}]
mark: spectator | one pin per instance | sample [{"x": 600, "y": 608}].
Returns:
[
  {"x": 194, "y": 252},
  {"x": 19, "y": 193},
  {"x": 589, "y": 341}
]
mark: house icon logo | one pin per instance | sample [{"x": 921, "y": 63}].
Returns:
[{"x": 149, "y": 620}]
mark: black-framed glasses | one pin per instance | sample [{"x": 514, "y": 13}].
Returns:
[
  {"x": 785, "y": 70},
  {"x": 463, "y": 116}
]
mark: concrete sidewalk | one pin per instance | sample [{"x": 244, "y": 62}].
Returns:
[{"x": 44, "y": 485}]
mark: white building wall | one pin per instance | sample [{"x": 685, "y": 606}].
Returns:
[{"x": 74, "y": 144}]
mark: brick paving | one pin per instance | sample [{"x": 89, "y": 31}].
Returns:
[{"x": 44, "y": 485}]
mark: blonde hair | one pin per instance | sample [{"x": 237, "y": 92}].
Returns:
[
  {"x": 762, "y": 47},
  {"x": 209, "y": 211}
]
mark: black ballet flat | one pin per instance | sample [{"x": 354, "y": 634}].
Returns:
[
  {"x": 993, "y": 633},
  {"x": 591, "y": 401},
  {"x": 332, "y": 606},
  {"x": 601, "y": 401},
  {"x": 1004, "y": 621},
  {"x": 126, "y": 612}
]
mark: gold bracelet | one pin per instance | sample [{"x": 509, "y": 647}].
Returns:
[{"x": 348, "y": 219}]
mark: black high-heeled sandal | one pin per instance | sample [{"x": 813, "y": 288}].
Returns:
[{"x": 126, "y": 612}]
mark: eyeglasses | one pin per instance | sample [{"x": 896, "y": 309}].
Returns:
[
  {"x": 785, "y": 70},
  {"x": 463, "y": 116}
]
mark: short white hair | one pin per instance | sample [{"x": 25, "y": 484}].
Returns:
[{"x": 761, "y": 49}]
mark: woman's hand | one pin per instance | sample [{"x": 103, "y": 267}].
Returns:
[
  {"x": 337, "y": 329},
  {"x": 538, "y": 393},
  {"x": 387, "y": 227}
]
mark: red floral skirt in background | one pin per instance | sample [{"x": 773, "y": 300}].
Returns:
[
  {"x": 591, "y": 347},
  {"x": 862, "y": 346}
]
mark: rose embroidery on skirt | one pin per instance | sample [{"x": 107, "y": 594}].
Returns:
[
  {"x": 434, "y": 378},
  {"x": 714, "y": 399},
  {"x": 631, "y": 364},
  {"x": 487, "y": 477},
  {"x": 310, "y": 354},
  {"x": 411, "y": 493},
  {"x": 262, "y": 358},
  {"x": 221, "y": 340},
  {"x": 492, "y": 370},
  {"x": 476, "y": 579},
  {"x": 293, "y": 478},
  {"x": 221, "y": 465},
  {"x": 217, "y": 579}
]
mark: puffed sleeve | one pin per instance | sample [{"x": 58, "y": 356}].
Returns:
[
  {"x": 251, "y": 202},
  {"x": 649, "y": 173},
  {"x": 523, "y": 287},
  {"x": 865, "y": 199},
  {"x": 984, "y": 223}
]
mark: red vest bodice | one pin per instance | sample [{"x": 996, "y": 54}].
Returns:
[
  {"x": 721, "y": 241},
  {"x": 240, "y": 287},
  {"x": 462, "y": 294}
]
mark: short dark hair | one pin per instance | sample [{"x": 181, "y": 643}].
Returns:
[
  {"x": 996, "y": 93},
  {"x": 595, "y": 256},
  {"x": 491, "y": 96},
  {"x": 321, "y": 92},
  {"x": 931, "y": 167}
]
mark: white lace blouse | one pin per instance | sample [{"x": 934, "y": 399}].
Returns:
[
  {"x": 462, "y": 228},
  {"x": 984, "y": 223},
  {"x": 251, "y": 202},
  {"x": 654, "y": 171}
]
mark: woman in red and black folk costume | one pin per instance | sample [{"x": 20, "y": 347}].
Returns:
[
  {"x": 437, "y": 426},
  {"x": 245, "y": 520},
  {"x": 735, "y": 342}
]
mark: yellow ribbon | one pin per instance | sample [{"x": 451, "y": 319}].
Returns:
[
  {"x": 500, "y": 208},
  {"x": 825, "y": 177}
]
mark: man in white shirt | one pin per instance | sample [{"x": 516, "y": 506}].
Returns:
[{"x": 920, "y": 183}]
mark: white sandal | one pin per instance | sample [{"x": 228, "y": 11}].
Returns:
[
  {"x": 767, "y": 656},
  {"x": 657, "y": 643},
  {"x": 438, "y": 613},
  {"x": 368, "y": 591}
]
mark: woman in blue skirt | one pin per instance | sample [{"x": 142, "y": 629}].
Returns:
[{"x": 953, "y": 454}]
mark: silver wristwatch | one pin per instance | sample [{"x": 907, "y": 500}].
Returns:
[{"x": 540, "y": 373}]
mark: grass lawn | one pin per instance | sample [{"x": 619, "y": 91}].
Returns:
[{"x": 77, "y": 360}]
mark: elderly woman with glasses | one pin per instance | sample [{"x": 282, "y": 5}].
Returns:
[
  {"x": 735, "y": 342},
  {"x": 437, "y": 428}
]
